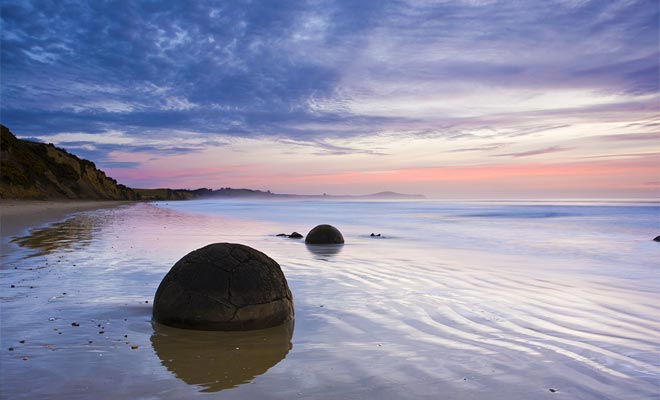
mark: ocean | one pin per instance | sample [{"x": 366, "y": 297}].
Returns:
[{"x": 460, "y": 300}]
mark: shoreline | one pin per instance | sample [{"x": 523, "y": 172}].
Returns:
[{"x": 17, "y": 216}]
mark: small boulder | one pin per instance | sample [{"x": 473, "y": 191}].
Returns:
[
  {"x": 324, "y": 234},
  {"x": 657, "y": 239},
  {"x": 295, "y": 235},
  {"x": 281, "y": 234},
  {"x": 225, "y": 287}
]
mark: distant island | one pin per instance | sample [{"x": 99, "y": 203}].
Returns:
[{"x": 40, "y": 171}]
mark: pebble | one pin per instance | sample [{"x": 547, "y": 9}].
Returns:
[
  {"x": 134, "y": 347},
  {"x": 101, "y": 332},
  {"x": 75, "y": 324},
  {"x": 11, "y": 349},
  {"x": 22, "y": 341},
  {"x": 24, "y": 358},
  {"x": 13, "y": 286},
  {"x": 553, "y": 390}
]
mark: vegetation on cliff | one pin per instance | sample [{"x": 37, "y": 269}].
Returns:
[{"x": 32, "y": 170}]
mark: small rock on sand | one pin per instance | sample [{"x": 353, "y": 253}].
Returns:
[
  {"x": 656, "y": 239},
  {"x": 295, "y": 235}
]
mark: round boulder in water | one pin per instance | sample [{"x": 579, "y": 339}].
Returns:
[
  {"x": 225, "y": 287},
  {"x": 324, "y": 234}
]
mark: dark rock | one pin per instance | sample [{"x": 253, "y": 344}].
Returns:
[
  {"x": 281, "y": 234},
  {"x": 75, "y": 324},
  {"x": 295, "y": 235},
  {"x": 374, "y": 235},
  {"x": 552, "y": 390},
  {"x": 225, "y": 287},
  {"x": 324, "y": 234},
  {"x": 657, "y": 239}
]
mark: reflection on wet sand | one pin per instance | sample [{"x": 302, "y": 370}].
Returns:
[
  {"x": 220, "y": 360},
  {"x": 325, "y": 250},
  {"x": 71, "y": 234}
]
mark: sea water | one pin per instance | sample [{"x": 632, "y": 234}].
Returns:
[{"x": 457, "y": 300}]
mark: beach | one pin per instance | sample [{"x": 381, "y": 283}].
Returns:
[
  {"x": 18, "y": 215},
  {"x": 470, "y": 300}
]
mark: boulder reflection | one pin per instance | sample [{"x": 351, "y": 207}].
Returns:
[
  {"x": 220, "y": 360},
  {"x": 324, "y": 250}
]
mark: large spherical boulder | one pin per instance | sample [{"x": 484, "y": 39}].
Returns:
[
  {"x": 324, "y": 234},
  {"x": 225, "y": 287}
]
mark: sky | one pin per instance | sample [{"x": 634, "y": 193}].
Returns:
[{"x": 450, "y": 99}]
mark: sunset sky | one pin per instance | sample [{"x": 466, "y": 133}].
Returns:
[{"x": 451, "y": 99}]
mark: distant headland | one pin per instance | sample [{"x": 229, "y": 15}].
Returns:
[
  {"x": 227, "y": 193},
  {"x": 40, "y": 171}
]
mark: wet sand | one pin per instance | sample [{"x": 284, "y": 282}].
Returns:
[
  {"x": 387, "y": 319},
  {"x": 16, "y": 216}
]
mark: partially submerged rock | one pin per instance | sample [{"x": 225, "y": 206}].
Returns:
[
  {"x": 224, "y": 286},
  {"x": 657, "y": 239},
  {"x": 293, "y": 235},
  {"x": 324, "y": 234}
]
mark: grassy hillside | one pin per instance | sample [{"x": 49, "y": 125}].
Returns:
[{"x": 31, "y": 170}]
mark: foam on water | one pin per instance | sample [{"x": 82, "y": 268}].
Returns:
[{"x": 466, "y": 300}]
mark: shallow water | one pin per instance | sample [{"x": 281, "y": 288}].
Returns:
[{"x": 461, "y": 301}]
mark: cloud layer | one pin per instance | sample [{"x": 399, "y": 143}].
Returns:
[{"x": 372, "y": 82}]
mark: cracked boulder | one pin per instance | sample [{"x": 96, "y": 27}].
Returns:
[{"x": 225, "y": 287}]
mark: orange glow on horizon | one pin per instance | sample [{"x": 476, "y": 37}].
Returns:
[{"x": 610, "y": 176}]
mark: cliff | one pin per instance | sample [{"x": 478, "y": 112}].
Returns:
[{"x": 31, "y": 170}]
